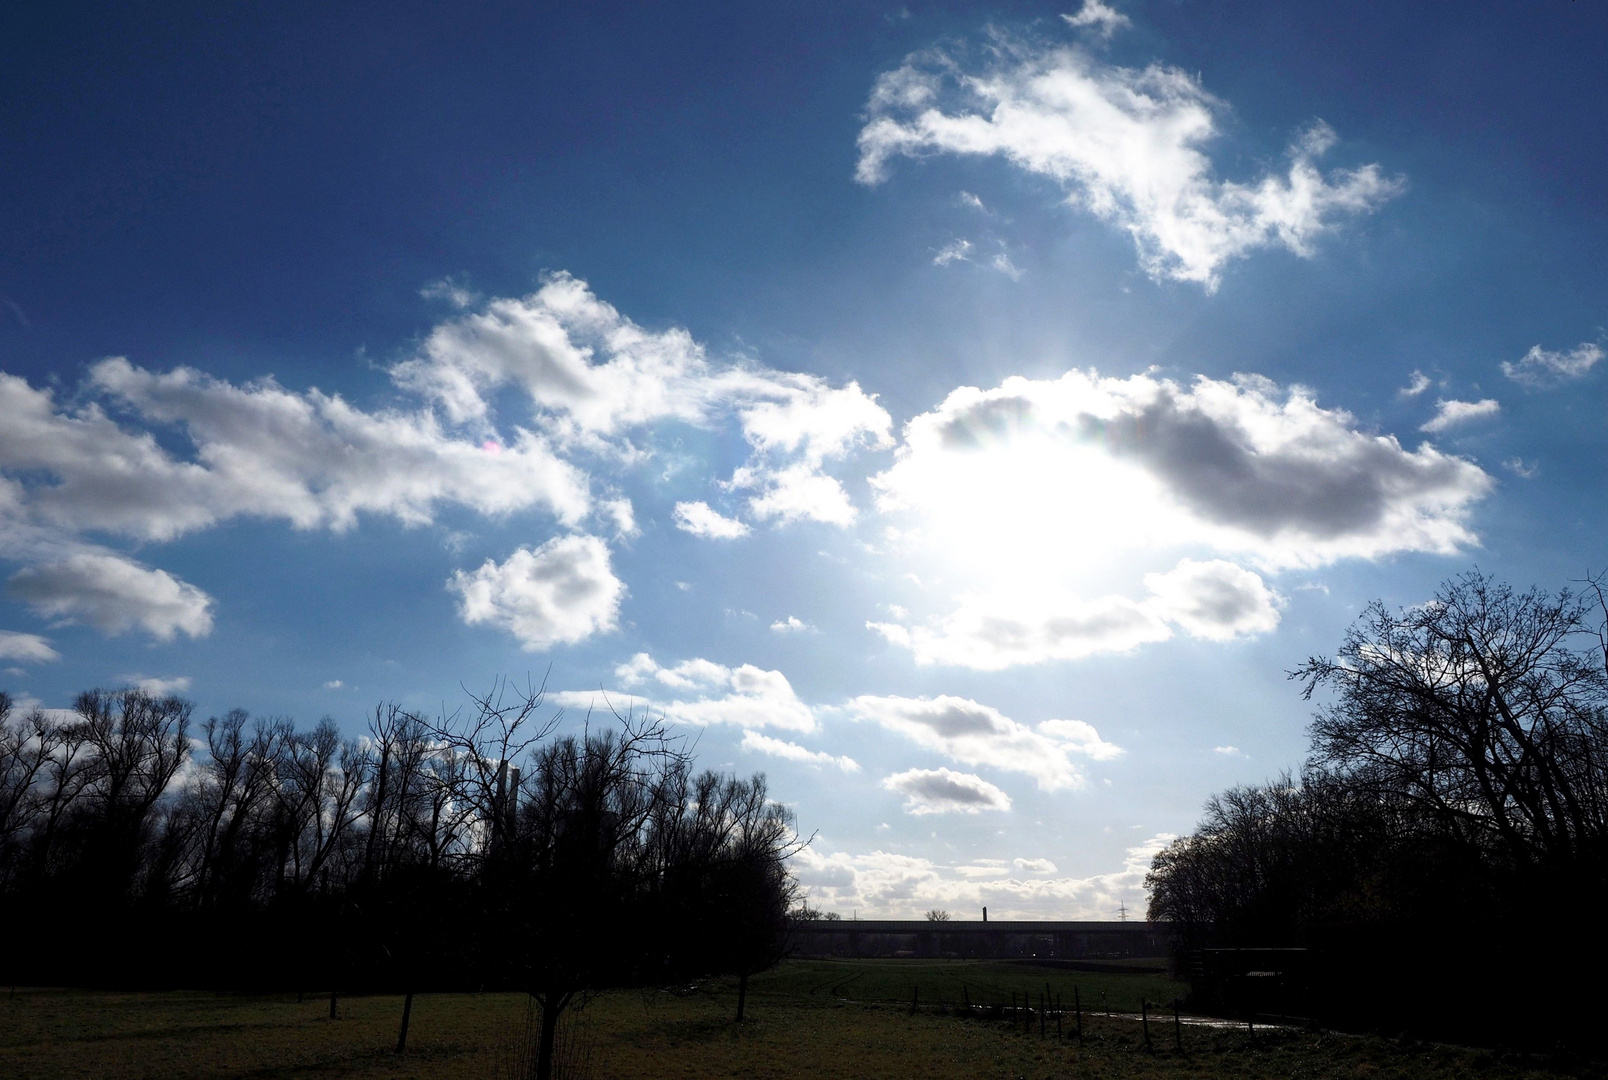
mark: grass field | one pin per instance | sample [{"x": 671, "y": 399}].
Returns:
[{"x": 829, "y": 1019}]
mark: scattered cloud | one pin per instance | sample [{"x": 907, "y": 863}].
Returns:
[
  {"x": 881, "y": 884},
  {"x": 557, "y": 594},
  {"x": 334, "y": 684},
  {"x": 1521, "y": 468},
  {"x": 746, "y": 696},
  {"x": 954, "y": 251},
  {"x": 114, "y": 594},
  {"x": 1450, "y": 414},
  {"x": 764, "y": 744},
  {"x": 1002, "y": 263},
  {"x": 1101, "y": 18},
  {"x": 264, "y": 451},
  {"x": 1215, "y": 600},
  {"x": 28, "y": 648},
  {"x": 1080, "y": 737},
  {"x": 700, "y": 519},
  {"x": 160, "y": 687},
  {"x": 943, "y": 791},
  {"x": 1128, "y": 145},
  {"x": 593, "y": 376},
  {"x": 791, "y": 625},
  {"x": 1229, "y": 751},
  {"x": 1543, "y": 367},
  {"x": 975, "y": 734},
  {"x": 1034, "y": 866},
  {"x": 459, "y": 296},
  {"x": 1417, "y": 383}
]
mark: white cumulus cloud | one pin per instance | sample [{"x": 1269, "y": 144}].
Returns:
[
  {"x": 27, "y": 648},
  {"x": 593, "y": 377},
  {"x": 1214, "y": 600},
  {"x": 114, "y": 594},
  {"x": 944, "y": 791},
  {"x": 700, "y": 519},
  {"x": 557, "y": 594},
  {"x": 1449, "y": 414},
  {"x": 1129, "y": 145},
  {"x": 711, "y": 693}
]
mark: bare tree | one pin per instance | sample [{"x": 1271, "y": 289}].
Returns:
[{"x": 1482, "y": 707}]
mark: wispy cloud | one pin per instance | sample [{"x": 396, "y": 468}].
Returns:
[
  {"x": 1417, "y": 383},
  {"x": 764, "y": 744},
  {"x": 1543, "y": 367},
  {"x": 1103, "y": 19},
  {"x": 1126, "y": 144}
]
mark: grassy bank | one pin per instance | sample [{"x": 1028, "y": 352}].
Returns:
[{"x": 825, "y": 1019}]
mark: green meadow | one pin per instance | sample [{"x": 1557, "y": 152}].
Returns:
[{"x": 808, "y": 1018}]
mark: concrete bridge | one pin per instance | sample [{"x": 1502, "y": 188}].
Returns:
[{"x": 981, "y": 940}]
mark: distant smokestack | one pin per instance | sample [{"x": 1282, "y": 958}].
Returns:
[{"x": 985, "y": 914}]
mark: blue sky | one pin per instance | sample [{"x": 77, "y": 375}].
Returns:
[{"x": 964, "y": 413}]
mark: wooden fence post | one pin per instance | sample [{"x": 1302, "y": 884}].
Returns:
[
  {"x": 1077, "y": 1003},
  {"x": 407, "y": 1013},
  {"x": 1178, "y": 1029}
]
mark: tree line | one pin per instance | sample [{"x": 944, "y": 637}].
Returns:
[
  {"x": 485, "y": 849},
  {"x": 1443, "y": 851}
]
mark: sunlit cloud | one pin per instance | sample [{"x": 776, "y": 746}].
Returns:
[
  {"x": 559, "y": 593},
  {"x": 1417, "y": 383},
  {"x": 593, "y": 378},
  {"x": 1103, "y": 19},
  {"x": 1450, "y": 414},
  {"x": 763, "y": 744},
  {"x": 882, "y": 884},
  {"x": 975, "y": 734},
  {"x": 1128, "y": 145},
  {"x": 700, "y": 519},
  {"x": 1021, "y": 497},
  {"x": 710, "y": 693}
]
